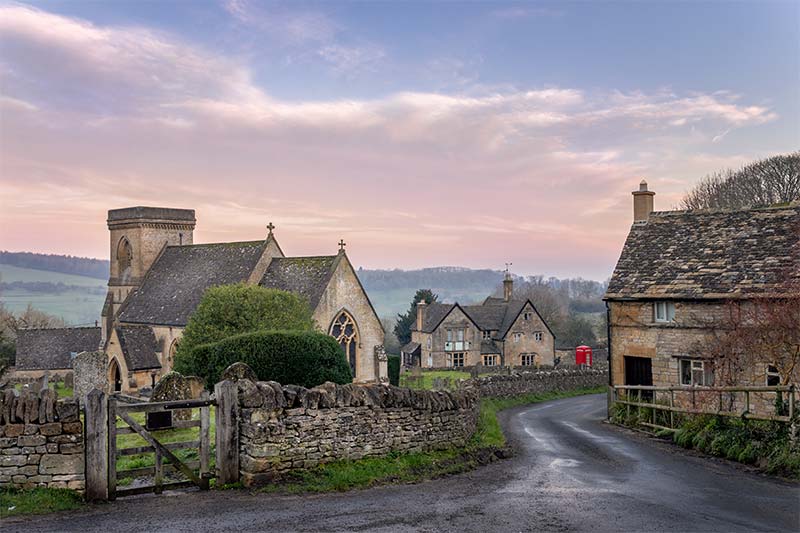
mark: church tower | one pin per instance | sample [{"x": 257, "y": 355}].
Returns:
[{"x": 138, "y": 234}]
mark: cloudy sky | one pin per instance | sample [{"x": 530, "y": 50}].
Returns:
[{"x": 423, "y": 134}]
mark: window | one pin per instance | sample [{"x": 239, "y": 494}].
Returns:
[
  {"x": 664, "y": 311},
  {"x": 517, "y": 337},
  {"x": 526, "y": 316},
  {"x": 124, "y": 256},
  {"x": 455, "y": 340},
  {"x": 696, "y": 372},
  {"x": 527, "y": 359},
  {"x": 429, "y": 343},
  {"x": 487, "y": 335},
  {"x": 773, "y": 376},
  {"x": 490, "y": 360},
  {"x": 344, "y": 330},
  {"x": 538, "y": 336},
  {"x": 455, "y": 359}
]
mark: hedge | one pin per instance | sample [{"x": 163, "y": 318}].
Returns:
[
  {"x": 394, "y": 370},
  {"x": 303, "y": 358}
]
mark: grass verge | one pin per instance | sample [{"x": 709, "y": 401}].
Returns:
[
  {"x": 488, "y": 444},
  {"x": 37, "y": 501},
  {"x": 764, "y": 444}
]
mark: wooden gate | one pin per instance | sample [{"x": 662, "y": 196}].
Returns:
[{"x": 158, "y": 445}]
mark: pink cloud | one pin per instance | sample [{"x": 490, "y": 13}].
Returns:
[{"x": 540, "y": 177}]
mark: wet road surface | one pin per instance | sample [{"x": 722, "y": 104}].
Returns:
[{"x": 571, "y": 473}]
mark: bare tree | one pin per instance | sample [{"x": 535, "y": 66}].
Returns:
[{"x": 771, "y": 181}]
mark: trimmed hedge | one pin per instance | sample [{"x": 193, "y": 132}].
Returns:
[
  {"x": 394, "y": 370},
  {"x": 304, "y": 358}
]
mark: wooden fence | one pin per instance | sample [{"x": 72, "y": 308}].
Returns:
[{"x": 684, "y": 400}]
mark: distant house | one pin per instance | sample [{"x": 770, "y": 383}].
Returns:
[
  {"x": 677, "y": 273},
  {"x": 498, "y": 332},
  {"x": 52, "y": 350}
]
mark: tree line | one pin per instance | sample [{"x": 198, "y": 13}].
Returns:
[{"x": 65, "y": 264}]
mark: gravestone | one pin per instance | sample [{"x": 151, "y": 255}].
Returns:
[
  {"x": 173, "y": 386},
  {"x": 69, "y": 380},
  {"x": 238, "y": 371},
  {"x": 88, "y": 374}
]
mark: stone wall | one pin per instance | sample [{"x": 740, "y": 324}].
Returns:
[
  {"x": 284, "y": 428},
  {"x": 89, "y": 373},
  {"x": 518, "y": 383},
  {"x": 41, "y": 441}
]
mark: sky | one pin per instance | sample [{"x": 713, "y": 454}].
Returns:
[{"x": 423, "y": 134}]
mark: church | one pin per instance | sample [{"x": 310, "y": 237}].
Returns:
[{"x": 158, "y": 277}]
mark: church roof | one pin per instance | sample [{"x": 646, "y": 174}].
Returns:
[
  {"x": 139, "y": 346},
  {"x": 305, "y": 276},
  {"x": 52, "y": 349},
  {"x": 174, "y": 285},
  {"x": 710, "y": 254}
]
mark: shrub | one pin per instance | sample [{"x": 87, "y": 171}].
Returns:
[
  {"x": 305, "y": 358},
  {"x": 394, "y": 370},
  {"x": 229, "y": 310}
]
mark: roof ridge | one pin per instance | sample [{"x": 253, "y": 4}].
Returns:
[
  {"x": 197, "y": 245},
  {"x": 57, "y": 328},
  {"x": 795, "y": 205}
]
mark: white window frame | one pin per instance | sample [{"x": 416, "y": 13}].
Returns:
[
  {"x": 699, "y": 373},
  {"x": 527, "y": 359},
  {"x": 772, "y": 372},
  {"x": 663, "y": 312},
  {"x": 490, "y": 359},
  {"x": 517, "y": 337}
]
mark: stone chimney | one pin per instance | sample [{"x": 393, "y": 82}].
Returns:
[
  {"x": 421, "y": 314},
  {"x": 508, "y": 287},
  {"x": 642, "y": 203}
]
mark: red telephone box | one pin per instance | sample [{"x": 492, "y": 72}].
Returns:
[{"x": 583, "y": 355}]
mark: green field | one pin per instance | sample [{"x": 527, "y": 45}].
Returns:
[{"x": 81, "y": 303}]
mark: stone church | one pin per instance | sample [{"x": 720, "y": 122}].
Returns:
[{"x": 158, "y": 276}]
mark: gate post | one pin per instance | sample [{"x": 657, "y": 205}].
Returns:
[
  {"x": 227, "y": 436},
  {"x": 96, "y": 446}
]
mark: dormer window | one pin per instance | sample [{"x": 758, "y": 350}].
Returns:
[{"x": 664, "y": 311}]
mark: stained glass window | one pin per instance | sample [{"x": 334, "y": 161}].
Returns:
[{"x": 344, "y": 330}]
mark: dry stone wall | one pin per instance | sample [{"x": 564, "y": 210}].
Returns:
[
  {"x": 284, "y": 428},
  {"x": 41, "y": 441},
  {"x": 518, "y": 383}
]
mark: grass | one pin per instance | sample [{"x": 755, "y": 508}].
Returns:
[
  {"x": 486, "y": 445},
  {"x": 132, "y": 440},
  {"x": 426, "y": 382},
  {"x": 61, "y": 390},
  {"x": 37, "y": 501}
]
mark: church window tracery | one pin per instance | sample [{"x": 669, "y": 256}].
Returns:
[
  {"x": 124, "y": 256},
  {"x": 345, "y": 331}
]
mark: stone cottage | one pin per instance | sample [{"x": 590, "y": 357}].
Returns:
[
  {"x": 678, "y": 273},
  {"x": 158, "y": 276},
  {"x": 498, "y": 332}
]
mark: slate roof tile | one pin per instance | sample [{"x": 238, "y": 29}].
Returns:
[
  {"x": 139, "y": 346},
  {"x": 51, "y": 349},
  {"x": 304, "y": 276},
  {"x": 710, "y": 254}
]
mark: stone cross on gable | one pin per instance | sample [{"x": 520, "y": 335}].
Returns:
[
  {"x": 270, "y": 227},
  {"x": 342, "y": 244}
]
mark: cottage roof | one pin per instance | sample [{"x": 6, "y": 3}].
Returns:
[
  {"x": 174, "y": 285},
  {"x": 139, "y": 346},
  {"x": 305, "y": 276},
  {"x": 495, "y": 314},
  {"x": 710, "y": 254},
  {"x": 434, "y": 313},
  {"x": 412, "y": 348},
  {"x": 52, "y": 349},
  {"x": 490, "y": 347}
]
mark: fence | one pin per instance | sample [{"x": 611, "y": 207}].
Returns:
[{"x": 722, "y": 401}]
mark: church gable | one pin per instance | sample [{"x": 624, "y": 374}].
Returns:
[{"x": 305, "y": 276}]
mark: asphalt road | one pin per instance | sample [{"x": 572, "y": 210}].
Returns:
[{"x": 571, "y": 473}]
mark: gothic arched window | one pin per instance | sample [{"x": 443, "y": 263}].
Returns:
[
  {"x": 124, "y": 256},
  {"x": 345, "y": 331}
]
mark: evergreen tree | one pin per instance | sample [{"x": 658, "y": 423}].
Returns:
[{"x": 402, "y": 329}]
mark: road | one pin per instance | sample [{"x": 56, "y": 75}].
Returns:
[{"x": 571, "y": 473}]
